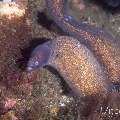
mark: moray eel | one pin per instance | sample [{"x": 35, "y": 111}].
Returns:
[
  {"x": 100, "y": 42},
  {"x": 75, "y": 63},
  {"x": 89, "y": 61}
]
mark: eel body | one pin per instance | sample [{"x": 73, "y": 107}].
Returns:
[
  {"x": 104, "y": 46},
  {"x": 75, "y": 63},
  {"x": 89, "y": 61}
]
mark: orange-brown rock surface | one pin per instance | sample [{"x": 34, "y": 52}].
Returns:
[{"x": 15, "y": 35}]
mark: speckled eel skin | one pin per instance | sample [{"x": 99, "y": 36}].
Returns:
[{"x": 89, "y": 60}]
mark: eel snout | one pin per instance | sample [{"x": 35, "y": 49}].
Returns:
[{"x": 39, "y": 56}]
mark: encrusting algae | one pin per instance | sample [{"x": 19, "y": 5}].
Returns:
[{"x": 15, "y": 35}]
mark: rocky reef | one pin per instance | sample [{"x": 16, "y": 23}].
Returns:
[{"x": 43, "y": 93}]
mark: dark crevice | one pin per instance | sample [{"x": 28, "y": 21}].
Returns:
[
  {"x": 46, "y": 22},
  {"x": 43, "y": 20},
  {"x": 26, "y": 52}
]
